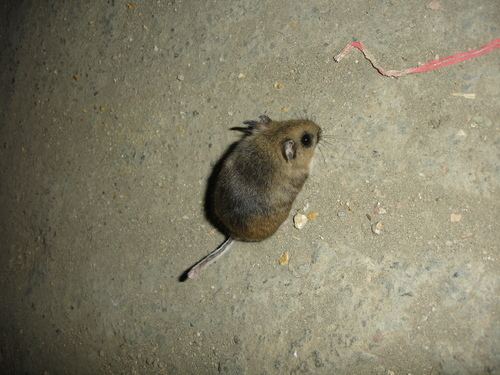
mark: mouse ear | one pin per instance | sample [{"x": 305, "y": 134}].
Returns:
[
  {"x": 258, "y": 125},
  {"x": 289, "y": 150}
]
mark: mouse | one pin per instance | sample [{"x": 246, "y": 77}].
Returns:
[{"x": 258, "y": 181}]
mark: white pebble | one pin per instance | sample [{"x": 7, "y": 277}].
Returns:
[
  {"x": 377, "y": 227},
  {"x": 299, "y": 220}
]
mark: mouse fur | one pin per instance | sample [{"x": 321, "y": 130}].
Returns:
[{"x": 260, "y": 179}]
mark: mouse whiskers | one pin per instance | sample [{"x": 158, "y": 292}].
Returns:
[
  {"x": 320, "y": 148},
  {"x": 326, "y": 139}
]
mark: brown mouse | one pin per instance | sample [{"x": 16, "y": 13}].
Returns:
[{"x": 259, "y": 180}]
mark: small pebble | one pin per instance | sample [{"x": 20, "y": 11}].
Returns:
[
  {"x": 312, "y": 215},
  {"x": 180, "y": 77},
  {"x": 299, "y": 220},
  {"x": 278, "y": 85},
  {"x": 341, "y": 214},
  {"x": 284, "y": 259},
  {"x": 455, "y": 218},
  {"x": 377, "y": 227}
]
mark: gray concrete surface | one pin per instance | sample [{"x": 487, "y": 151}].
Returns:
[{"x": 112, "y": 116}]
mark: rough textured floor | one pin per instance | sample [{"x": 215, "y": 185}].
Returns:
[{"x": 112, "y": 115}]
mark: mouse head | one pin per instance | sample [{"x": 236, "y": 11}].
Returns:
[{"x": 294, "y": 140}]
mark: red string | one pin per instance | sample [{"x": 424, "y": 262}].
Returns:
[{"x": 428, "y": 66}]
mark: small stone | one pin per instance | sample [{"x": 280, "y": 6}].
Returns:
[
  {"x": 461, "y": 133},
  {"x": 278, "y": 85},
  {"x": 299, "y": 220},
  {"x": 341, "y": 214},
  {"x": 455, "y": 218},
  {"x": 180, "y": 77},
  {"x": 241, "y": 76},
  {"x": 284, "y": 259},
  {"x": 377, "y": 227},
  {"x": 156, "y": 49},
  {"x": 312, "y": 215}
]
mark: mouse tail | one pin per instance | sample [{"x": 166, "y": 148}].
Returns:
[{"x": 195, "y": 271}]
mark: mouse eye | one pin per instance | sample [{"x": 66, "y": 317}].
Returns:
[{"x": 306, "y": 140}]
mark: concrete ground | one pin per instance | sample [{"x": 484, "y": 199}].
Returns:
[{"x": 113, "y": 114}]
